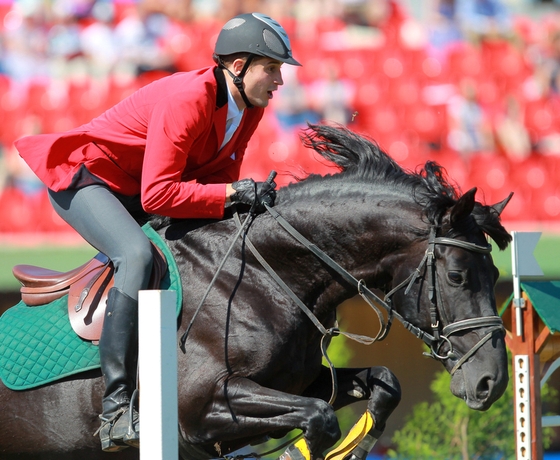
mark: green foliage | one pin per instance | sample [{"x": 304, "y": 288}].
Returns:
[
  {"x": 338, "y": 352},
  {"x": 448, "y": 429},
  {"x": 60, "y": 258}
]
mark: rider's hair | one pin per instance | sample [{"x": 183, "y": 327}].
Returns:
[{"x": 230, "y": 58}]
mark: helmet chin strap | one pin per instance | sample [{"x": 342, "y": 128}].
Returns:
[{"x": 238, "y": 79}]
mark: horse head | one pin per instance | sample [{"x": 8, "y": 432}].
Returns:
[
  {"x": 453, "y": 300},
  {"x": 436, "y": 268}
]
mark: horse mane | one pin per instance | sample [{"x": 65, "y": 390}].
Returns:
[{"x": 360, "y": 157}]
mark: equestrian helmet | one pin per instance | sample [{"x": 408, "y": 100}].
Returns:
[{"x": 255, "y": 33}]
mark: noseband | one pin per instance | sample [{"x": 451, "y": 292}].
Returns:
[
  {"x": 437, "y": 340},
  {"x": 440, "y": 336}
]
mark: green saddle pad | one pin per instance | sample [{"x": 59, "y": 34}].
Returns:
[{"x": 39, "y": 346}]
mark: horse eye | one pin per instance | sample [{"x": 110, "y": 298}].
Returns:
[{"x": 455, "y": 277}]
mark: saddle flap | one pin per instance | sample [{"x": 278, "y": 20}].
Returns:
[{"x": 87, "y": 299}]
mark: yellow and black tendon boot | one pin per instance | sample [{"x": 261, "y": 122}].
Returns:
[
  {"x": 359, "y": 442},
  {"x": 297, "y": 451}
]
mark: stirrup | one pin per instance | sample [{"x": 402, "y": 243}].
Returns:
[
  {"x": 132, "y": 436},
  {"x": 109, "y": 444}
]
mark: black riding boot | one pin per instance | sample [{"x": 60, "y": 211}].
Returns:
[{"x": 118, "y": 352}]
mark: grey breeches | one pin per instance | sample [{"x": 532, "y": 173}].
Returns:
[{"x": 102, "y": 218}]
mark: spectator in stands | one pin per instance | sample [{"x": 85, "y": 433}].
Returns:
[
  {"x": 141, "y": 36},
  {"x": 512, "y": 135},
  {"x": 386, "y": 15},
  {"x": 63, "y": 36},
  {"x": 173, "y": 148},
  {"x": 25, "y": 42},
  {"x": 551, "y": 65},
  {"x": 291, "y": 104},
  {"x": 369, "y": 23},
  {"x": 99, "y": 43},
  {"x": 443, "y": 28},
  {"x": 469, "y": 128},
  {"x": 18, "y": 174},
  {"x": 331, "y": 96},
  {"x": 3, "y": 168},
  {"x": 484, "y": 19}
]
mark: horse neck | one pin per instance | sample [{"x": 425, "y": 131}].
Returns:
[{"x": 369, "y": 241}]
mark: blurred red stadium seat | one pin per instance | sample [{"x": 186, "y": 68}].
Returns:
[{"x": 18, "y": 213}]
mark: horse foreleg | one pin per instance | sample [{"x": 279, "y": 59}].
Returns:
[
  {"x": 377, "y": 385},
  {"x": 243, "y": 411}
]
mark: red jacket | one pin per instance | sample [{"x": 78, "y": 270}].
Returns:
[{"x": 161, "y": 142}]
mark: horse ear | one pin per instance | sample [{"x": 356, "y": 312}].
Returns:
[
  {"x": 499, "y": 207},
  {"x": 463, "y": 208}
]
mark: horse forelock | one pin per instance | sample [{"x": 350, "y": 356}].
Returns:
[{"x": 489, "y": 222}]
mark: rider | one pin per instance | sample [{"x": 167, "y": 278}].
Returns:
[{"x": 173, "y": 148}]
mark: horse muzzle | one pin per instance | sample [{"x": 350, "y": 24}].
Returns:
[{"x": 481, "y": 382}]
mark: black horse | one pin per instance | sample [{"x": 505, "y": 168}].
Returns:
[{"x": 251, "y": 366}]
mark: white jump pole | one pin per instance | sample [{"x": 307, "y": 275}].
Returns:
[{"x": 157, "y": 361}]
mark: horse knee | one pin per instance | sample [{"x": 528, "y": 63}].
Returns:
[
  {"x": 385, "y": 395},
  {"x": 322, "y": 429}
]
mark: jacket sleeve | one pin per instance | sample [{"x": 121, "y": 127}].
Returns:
[{"x": 172, "y": 129}]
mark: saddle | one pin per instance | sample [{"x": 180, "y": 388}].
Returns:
[{"x": 87, "y": 288}]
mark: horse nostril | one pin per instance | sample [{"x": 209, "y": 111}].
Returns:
[{"x": 484, "y": 388}]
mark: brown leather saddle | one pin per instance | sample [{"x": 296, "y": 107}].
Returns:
[{"x": 87, "y": 287}]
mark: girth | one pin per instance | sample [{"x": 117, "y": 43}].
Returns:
[{"x": 87, "y": 288}]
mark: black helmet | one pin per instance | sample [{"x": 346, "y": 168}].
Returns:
[{"x": 255, "y": 33}]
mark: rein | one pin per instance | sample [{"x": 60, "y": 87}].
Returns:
[{"x": 436, "y": 340}]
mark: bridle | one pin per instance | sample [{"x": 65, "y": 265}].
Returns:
[
  {"x": 440, "y": 335},
  {"x": 437, "y": 339}
]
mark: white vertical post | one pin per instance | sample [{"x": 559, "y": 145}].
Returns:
[
  {"x": 518, "y": 301},
  {"x": 523, "y": 263},
  {"x": 523, "y": 407},
  {"x": 157, "y": 360}
]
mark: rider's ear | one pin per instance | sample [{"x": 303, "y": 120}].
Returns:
[
  {"x": 499, "y": 207},
  {"x": 463, "y": 208}
]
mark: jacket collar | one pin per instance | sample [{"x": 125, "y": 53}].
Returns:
[{"x": 222, "y": 94}]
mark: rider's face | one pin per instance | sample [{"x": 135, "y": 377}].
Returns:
[{"x": 262, "y": 78}]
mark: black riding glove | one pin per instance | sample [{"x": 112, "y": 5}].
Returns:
[{"x": 254, "y": 194}]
